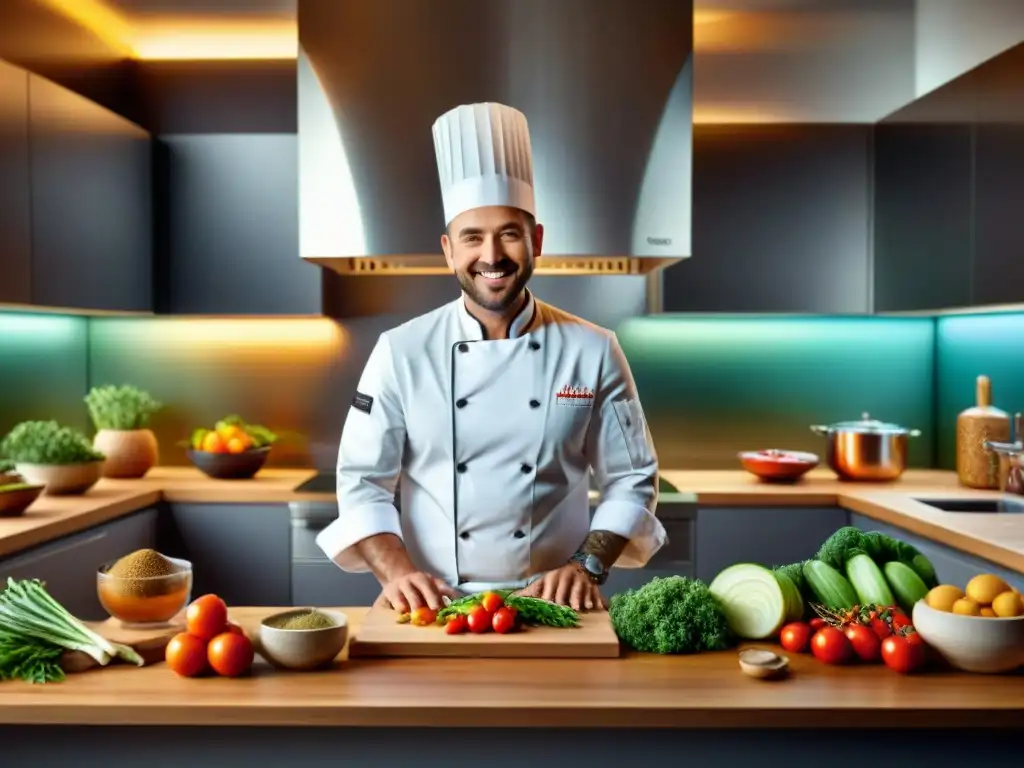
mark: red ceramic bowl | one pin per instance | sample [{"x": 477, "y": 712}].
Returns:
[{"x": 778, "y": 466}]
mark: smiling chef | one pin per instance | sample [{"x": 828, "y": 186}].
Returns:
[{"x": 492, "y": 411}]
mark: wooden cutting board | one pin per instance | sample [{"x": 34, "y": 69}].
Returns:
[
  {"x": 150, "y": 644},
  {"x": 380, "y": 634}
]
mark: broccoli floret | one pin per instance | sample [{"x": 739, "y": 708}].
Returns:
[
  {"x": 675, "y": 614},
  {"x": 795, "y": 571},
  {"x": 838, "y": 547}
]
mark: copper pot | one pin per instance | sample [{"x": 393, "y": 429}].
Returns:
[{"x": 867, "y": 449}]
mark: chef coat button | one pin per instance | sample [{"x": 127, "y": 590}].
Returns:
[
  {"x": 534, "y": 345},
  {"x": 460, "y": 467},
  {"x": 519, "y": 534},
  {"x": 463, "y": 347},
  {"x": 461, "y": 402},
  {"x": 526, "y": 469},
  {"x": 535, "y": 403},
  {"x": 464, "y": 535}
]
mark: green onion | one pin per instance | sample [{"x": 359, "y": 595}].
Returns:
[
  {"x": 28, "y": 611},
  {"x": 33, "y": 661}
]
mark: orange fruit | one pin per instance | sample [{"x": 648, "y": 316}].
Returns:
[
  {"x": 237, "y": 445},
  {"x": 214, "y": 443},
  {"x": 231, "y": 431}
]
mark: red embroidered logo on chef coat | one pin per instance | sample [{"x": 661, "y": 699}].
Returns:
[{"x": 579, "y": 397}]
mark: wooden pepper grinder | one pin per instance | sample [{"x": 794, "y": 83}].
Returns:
[{"x": 976, "y": 466}]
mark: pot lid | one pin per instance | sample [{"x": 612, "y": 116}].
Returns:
[{"x": 870, "y": 426}]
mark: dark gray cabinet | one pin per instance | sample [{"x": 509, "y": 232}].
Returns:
[
  {"x": 240, "y": 552},
  {"x": 767, "y": 535},
  {"x": 68, "y": 565},
  {"x": 91, "y": 192},
  {"x": 15, "y": 210},
  {"x": 229, "y": 231},
  {"x": 316, "y": 581}
]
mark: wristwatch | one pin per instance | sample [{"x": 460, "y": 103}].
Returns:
[{"x": 591, "y": 565}]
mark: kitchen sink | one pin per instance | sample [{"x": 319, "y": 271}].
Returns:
[{"x": 1007, "y": 504}]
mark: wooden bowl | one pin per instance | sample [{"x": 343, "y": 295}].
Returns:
[
  {"x": 776, "y": 465},
  {"x": 230, "y": 466},
  {"x": 13, "y": 503},
  {"x": 763, "y": 664}
]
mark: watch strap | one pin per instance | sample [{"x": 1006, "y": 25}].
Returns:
[{"x": 591, "y": 565}]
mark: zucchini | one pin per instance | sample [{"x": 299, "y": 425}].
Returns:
[
  {"x": 751, "y": 599},
  {"x": 868, "y": 582},
  {"x": 829, "y": 586},
  {"x": 791, "y": 594},
  {"x": 906, "y": 584}
]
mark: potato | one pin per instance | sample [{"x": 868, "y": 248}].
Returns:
[
  {"x": 942, "y": 597},
  {"x": 1007, "y": 604},
  {"x": 984, "y": 588},
  {"x": 966, "y": 607}
]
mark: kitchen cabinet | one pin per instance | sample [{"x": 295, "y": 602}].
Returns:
[
  {"x": 91, "y": 199},
  {"x": 241, "y": 552},
  {"x": 68, "y": 565},
  {"x": 318, "y": 581},
  {"x": 767, "y": 535},
  {"x": 230, "y": 242},
  {"x": 15, "y": 209},
  {"x": 951, "y": 565}
]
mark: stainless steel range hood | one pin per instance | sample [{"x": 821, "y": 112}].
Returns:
[{"x": 606, "y": 88}]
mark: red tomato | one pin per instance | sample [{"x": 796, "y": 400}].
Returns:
[
  {"x": 186, "y": 655},
  {"x": 423, "y": 617},
  {"x": 504, "y": 621},
  {"x": 902, "y": 655},
  {"x": 795, "y": 637},
  {"x": 831, "y": 646},
  {"x": 491, "y": 601},
  {"x": 866, "y": 644},
  {"x": 456, "y": 624},
  {"x": 232, "y": 627},
  {"x": 479, "y": 620},
  {"x": 817, "y": 622},
  {"x": 230, "y": 654},
  {"x": 899, "y": 619},
  {"x": 880, "y": 628},
  {"x": 206, "y": 617}
]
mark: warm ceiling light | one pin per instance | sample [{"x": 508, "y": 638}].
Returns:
[
  {"x": 100, "y": 19},
  {"x": 737, "y": 115},
  {"x": 216, "y": 39}
]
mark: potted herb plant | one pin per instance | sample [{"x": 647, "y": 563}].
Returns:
[
  {"x": 60, "y": 458},
  {"x": 121, "y": 417}
]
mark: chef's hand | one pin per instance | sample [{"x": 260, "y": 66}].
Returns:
[
  {"x": 415, "y": 590},
  {"x": 567, "y": 585}
]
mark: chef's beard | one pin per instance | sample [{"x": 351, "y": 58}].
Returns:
[{"x": 488, "y": 299}]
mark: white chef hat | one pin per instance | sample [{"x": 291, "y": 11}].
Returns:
[{"x": 483, "y": 158}]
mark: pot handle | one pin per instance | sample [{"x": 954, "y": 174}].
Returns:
[{"x": 818, "y": 429}]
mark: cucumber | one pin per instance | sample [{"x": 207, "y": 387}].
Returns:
[
  {"x": 794, "y": 602},
  {"x": 868, "y": 582},
  {"x": 906, "y": 584},
  {"x": 829, "y": 586},
  {"x": 751, "y": 599}
]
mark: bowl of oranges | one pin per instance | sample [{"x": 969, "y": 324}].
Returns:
[{"x": 232, "y": 450}]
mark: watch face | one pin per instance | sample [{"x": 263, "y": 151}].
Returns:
[{"x": 593, "y": 565}]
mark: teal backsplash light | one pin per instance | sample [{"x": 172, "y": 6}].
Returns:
[
  {"x": 44, "y": 368},
  {"x": 968, "y": 346},
  {"x": 716, "y": 385}
]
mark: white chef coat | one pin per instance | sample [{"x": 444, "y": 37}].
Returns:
[{"x": 493, "y": 442}]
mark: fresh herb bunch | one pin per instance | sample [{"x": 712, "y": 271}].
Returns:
[
  {"x": 124, "y": 407},
  {"x": 29, "y": 659},
  {"x": 531, "y": 610},
  {"x": 47, "y": 442}
]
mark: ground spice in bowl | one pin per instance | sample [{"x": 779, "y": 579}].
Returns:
[
  {"x": 307, "y": 620},
  {"x": 138, "y": 573}
]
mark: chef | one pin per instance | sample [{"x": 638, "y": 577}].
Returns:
[{"x": 490, "y": 413}]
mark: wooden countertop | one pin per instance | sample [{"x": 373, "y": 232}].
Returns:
[
  {"x": 637, "y": 690},
  {"x": 999, "y": 538}
]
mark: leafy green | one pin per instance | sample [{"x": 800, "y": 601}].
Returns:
[
  {"x": 124, "y": 407},
  {"x": 531, "y": 610},
  {"x": 47, "y": 442},
  {"x": 6, "y": 465},
  {"x": 28, "y": 659},
  {"x": 29, "y": 613},
  {"x": 675, "y": 614}
]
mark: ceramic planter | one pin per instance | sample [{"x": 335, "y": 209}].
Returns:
[
  {"x": 62, "y": 479},
  {"x": 130, "y": 453}
]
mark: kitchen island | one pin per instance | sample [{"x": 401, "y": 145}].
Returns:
[{"x": 387, "y": 712}]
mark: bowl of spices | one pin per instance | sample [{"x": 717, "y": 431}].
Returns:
[
  {"x": 145, "y": 588},
  {"x": 304, "y": 638}
]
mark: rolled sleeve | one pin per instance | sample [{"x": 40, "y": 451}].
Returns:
[
  {"x": 625, "y": 463},
  {"x": 369, "y": 464}
]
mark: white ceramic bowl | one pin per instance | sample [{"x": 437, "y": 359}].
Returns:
[
  {"x": 972, "y": 643},
  {"x": 62, "y": 479},
  {"x": 303, "y": 649}
]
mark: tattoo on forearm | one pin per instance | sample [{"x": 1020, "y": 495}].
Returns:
[{"x": 605, "y": 546}]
